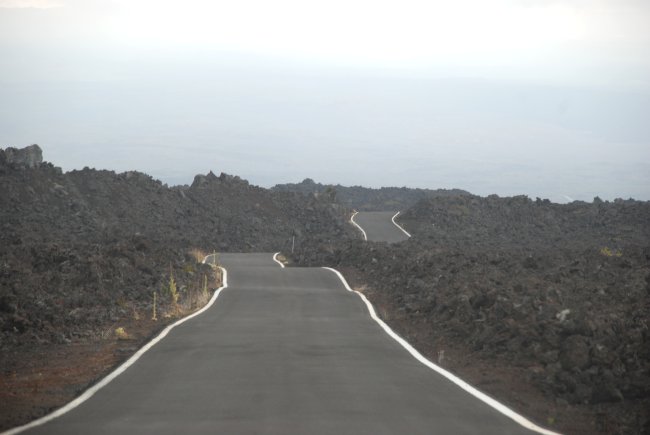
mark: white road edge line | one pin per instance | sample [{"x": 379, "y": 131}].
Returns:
[
  {"x": 275, "y": 258},
  {"x": 365, "y": 237},
  {"x": 523, "y": 421},
  {"x": 118, "y": 371},
  {"x": 398, "y": 225}
]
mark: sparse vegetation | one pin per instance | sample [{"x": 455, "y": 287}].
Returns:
[
  {"x": 121, "y": 334},
  {"x": 153, "y": 315},
  {"x": 204, "y": 289},
  {"x": 214, "y": 259},
  {"x": 198, "y": 254},
  {"x": 607, "y": 252},
  {"x": 193, "y": 292},
  {"x": 171, "y": 288}
]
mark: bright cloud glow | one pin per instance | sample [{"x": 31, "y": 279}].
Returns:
[
  {"x": 593, "y": 42},
  {"x": 25, "y": 4},
  {"x": 525, "y": 39},
  {"x": 378, "y": 30}
]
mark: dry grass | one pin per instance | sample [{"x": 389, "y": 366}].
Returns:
[
  {"x": 121, "y": 334},
  {"x": 198, "y": 254},
  {"x": 217, "y": 277},
  {"x": 360, "y": 288}
]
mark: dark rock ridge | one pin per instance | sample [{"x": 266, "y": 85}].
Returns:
[
  {"x": 368, "y": 199},
  {"x": 521, "y": 223},
  {"x": 561, "y": 292}
]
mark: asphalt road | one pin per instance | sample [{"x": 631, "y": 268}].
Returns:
[
  {"x": 282, "y": 351},
  {"x": 379, "y": 227}
]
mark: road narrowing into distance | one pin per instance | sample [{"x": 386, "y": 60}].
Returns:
[
  {"x": 379, "y": 226},
  {"x": 285, "y": 351}
]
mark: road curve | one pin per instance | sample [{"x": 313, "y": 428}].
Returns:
[
  {"x": 282, "y": 351},
  {"x": 379, "y": 226}
]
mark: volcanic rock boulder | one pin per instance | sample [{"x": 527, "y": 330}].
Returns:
[{"x": 28, "y": 157}]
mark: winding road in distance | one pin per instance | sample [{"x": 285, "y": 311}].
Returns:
[
  {"x": 380, "y": 226},
  {"x": 281, "y": 351}
]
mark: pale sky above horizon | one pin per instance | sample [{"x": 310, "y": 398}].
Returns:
[
  {"x": 539, "y": 97},
  {"x": 543, "y": 41}
]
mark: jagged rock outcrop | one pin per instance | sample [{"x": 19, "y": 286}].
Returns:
[
  {"x": 202, "y": 181},
  {"x": 28, "y": 157}
]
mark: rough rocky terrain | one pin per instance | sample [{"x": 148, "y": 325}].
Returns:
[
  {"x": 82, "y": 253},
  {"x": 543, "y": 305},
  {"x": 367, "y": 199},
  {"x": 557, "y": 295}
]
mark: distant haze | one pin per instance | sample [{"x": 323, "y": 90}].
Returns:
[{"x": 544, "y": 98}]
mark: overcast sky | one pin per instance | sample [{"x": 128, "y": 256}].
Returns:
[{"x": 545, "y": 98}]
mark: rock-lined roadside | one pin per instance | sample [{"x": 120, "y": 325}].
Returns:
[
  {"x": 96, "y": 237},
  {"x": 81, "y": 254},
  {"x": 558, "y": 293}
]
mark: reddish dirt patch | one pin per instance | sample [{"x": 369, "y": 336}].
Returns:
[{"x": 36, "y": 380}]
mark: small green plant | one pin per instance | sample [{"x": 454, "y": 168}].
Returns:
[
  {"x": 607, "y": 252},
  {"x": 121, "y": 334},
  {"x": 172, "y": 289},
  {"x": 205, "y": 285},
  {"x": 153, "y": 317}
]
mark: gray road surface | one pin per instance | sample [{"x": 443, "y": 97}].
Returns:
[
  {"x": 379, "y": 227},
  {"x": 283, "y": 351}
]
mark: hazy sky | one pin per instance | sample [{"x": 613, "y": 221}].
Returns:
[{"x": 545, "y": 98}]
